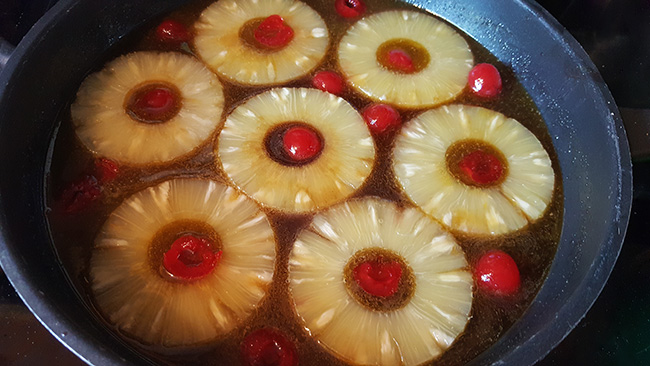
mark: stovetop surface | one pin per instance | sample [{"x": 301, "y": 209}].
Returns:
[{"x": 616, "y": 331}]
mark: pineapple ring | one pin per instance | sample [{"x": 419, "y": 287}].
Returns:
[
  {"x": 443, "y": 78},
  {"x": 104, "y": 126},
  {"x": 155, "y": 310},
  {"x": 420, "y": 330},
  {"x": 420, "y": 167},
  {"x": 219, "y": 45},
  {"x": 343, "y": 165}
]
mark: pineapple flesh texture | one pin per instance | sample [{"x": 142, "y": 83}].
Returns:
[
  {"x": 421, "y": 330},
  {"x": 155, "y": 310},
  {"x": 104, "y": 127},
  {"x": 442, "y": 79},
  {"x": 219, "y": 45},
  {"x": 420, "y": 167},
  {"x": 345, "y": 162}
]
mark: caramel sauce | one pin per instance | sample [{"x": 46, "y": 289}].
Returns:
[{"x": 532, "y": 247}]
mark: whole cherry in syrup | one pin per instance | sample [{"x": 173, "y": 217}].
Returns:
[
  {"x": 328, "y": 81},
  {"x": 172, "y": 32},
  {"x": 381, "y": 118},
  {"x": 496, "y": 273},
  {"x": 485, "y": 81},
  {"x": 268, "y": 347},
  {"x": 350, "y": 8}
]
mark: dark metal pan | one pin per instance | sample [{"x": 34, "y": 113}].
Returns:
[{"x": 48, "y": 65}]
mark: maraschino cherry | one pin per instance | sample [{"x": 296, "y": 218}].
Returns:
[
  {"x": 482, "y": 167},
  {"x": 381, "y": 118},
  {"x": 268, "y": 347},
  {"x": 328, "y": 81},
  {"x": 191, "y": 258},
  {"x": 301, "y": 143},
  {"x": 485, "y": 81},
  {"x": 153, "y": 104},
  {"x": 378, "y": 278},
  {"x": 400, "y": 60},
  {"x": 273, "y": 32},
  {"x": 497, "y": 273},
  {"x": 106, "y": 170},
  {"x": 172, "y": 32},
  {"x": 80, "y": 194},
  {"x": 350, "y": 8}
]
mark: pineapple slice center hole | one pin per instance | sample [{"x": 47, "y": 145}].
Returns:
[
  {"x": 293, "y": 143},
  {"x": 185, "y": 251},
  {"x": 153, "y": 102},
  {"x": 379, "y": 279},
  {"x": 403, "y": 56},
  {"x": 476, "y": 163},
  {"x": 266, "y": 35}
]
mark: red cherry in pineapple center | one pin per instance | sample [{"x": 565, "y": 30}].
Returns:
[
  {"x": 153, "y": 103},
  {"x": 378, "y": 278},
  {"x": 268, "y": 347},
  {"x": 273, "y": 33},
  {"x": 481, "y": 167},
  {"x": 191, "y": 258},
  {"x": 401, "y": 61},
  {"x": 497, "y": 273},
  {"x": 403, "y": 56},
  {"x": 301, "y": 143}
]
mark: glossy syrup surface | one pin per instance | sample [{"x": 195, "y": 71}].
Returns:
[{"x": 533, "y": 248}]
